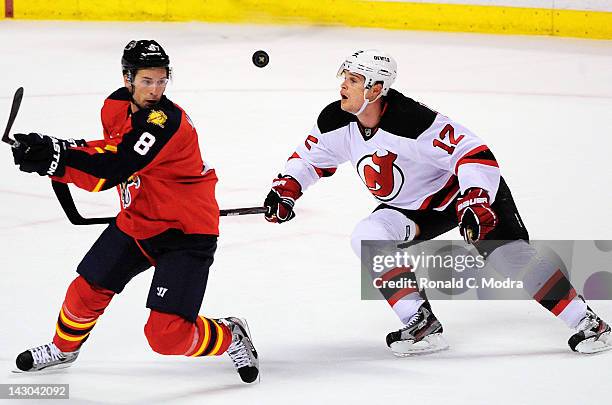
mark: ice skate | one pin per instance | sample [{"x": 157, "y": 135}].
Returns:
[
  {"x": 422, "y": 334},
  {"x": 45, "y": 357},
  {"x": 593, "y": 335},
  {"x": 241, "y": 350}
]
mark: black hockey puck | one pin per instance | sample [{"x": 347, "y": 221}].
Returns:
[{"x": 261, "y": 59}]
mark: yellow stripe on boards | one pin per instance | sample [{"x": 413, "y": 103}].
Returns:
[
  {"x": 355, "y": 13},
  {"x": 111, "y": 148},
  {"x": 582, "y": 24}
]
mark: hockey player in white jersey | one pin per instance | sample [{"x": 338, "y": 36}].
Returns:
[{"x": 430, "y": 174}]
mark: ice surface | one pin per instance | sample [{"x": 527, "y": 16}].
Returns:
[{"x": 542, "y": 104}]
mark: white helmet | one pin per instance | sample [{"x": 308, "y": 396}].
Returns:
[{"x": 376, "y": 66}]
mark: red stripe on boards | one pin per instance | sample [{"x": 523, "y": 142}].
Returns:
[{"x": 8, "y": 9}]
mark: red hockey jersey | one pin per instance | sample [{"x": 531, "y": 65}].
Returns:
[{"x": 153, "y": 158}]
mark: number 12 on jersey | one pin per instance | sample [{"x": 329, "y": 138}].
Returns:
[{"x": 450, "y": 131}]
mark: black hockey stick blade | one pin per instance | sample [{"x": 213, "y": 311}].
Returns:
[
  {"x": 62, "y": 192},
  {"x": 14, "y": 110},
  {"x": 243, "y": 211}
]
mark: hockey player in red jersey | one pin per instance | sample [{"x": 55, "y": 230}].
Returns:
[
  {"x": 430, "y": 175},
  {"x": 169, "y": 219}
]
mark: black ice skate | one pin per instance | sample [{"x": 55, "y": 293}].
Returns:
[
  {"x": 44, "y": 357},
  {"x": 241, "y": 350},
  {"x": 422, "y": 334},
  {"x": 593, "y": 335}
]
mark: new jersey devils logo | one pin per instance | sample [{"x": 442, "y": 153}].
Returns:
[{"x": 381, "y": 175}]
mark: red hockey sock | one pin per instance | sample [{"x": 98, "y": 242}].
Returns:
[
  {"x": 82, "y": 306},
  {"x": 172, "y": 334},
  {"x": 213, "y": 338}
]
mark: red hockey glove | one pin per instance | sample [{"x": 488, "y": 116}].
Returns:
[
  {"x": 476, "y": 218},
  {"x": 281, "y": 199}
]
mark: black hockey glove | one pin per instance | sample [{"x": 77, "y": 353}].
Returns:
[{"x": 42, "y": 154}]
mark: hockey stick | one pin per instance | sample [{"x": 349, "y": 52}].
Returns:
[
  {"x": 62, "y": 192},
  {"x": 242, "y": 211},
  {"x": 14, "y": 110}
]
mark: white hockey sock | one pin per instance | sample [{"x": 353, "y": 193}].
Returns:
[
  {"x": 541, "y": 279},
  {"x": 408, "y": 306},
  {"x": 388, "y": 224},
  {"x": 574, "y": 312}
]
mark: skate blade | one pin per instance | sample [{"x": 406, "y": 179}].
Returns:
[
  {"x": 429, "y": 344},
  {"x": 595, "y": 346},
  {"x": 46, "y": 370}
]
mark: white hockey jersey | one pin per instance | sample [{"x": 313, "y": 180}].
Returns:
[{"x": 415, "y": 159}]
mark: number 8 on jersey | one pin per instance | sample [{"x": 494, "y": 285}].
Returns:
[{"x": 144, "y": 143}]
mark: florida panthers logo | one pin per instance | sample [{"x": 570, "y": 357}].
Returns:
[
  {"x": 381, "y": 175},
  {"x": 126, "y": 195}
]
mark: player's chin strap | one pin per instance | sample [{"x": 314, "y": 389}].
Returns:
[
  {"x": 366, "y": 102},
  {"x": 133, "y": 90}
]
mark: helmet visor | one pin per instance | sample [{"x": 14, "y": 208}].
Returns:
[{"x": 344, "y": 66}]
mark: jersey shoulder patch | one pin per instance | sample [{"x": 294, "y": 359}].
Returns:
[
  {"x": 157, "y": 117},
  {"x": 333, "y": 117},
  {"x": 405, "y": 117},
  {"x": 163, "y": 118}
]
